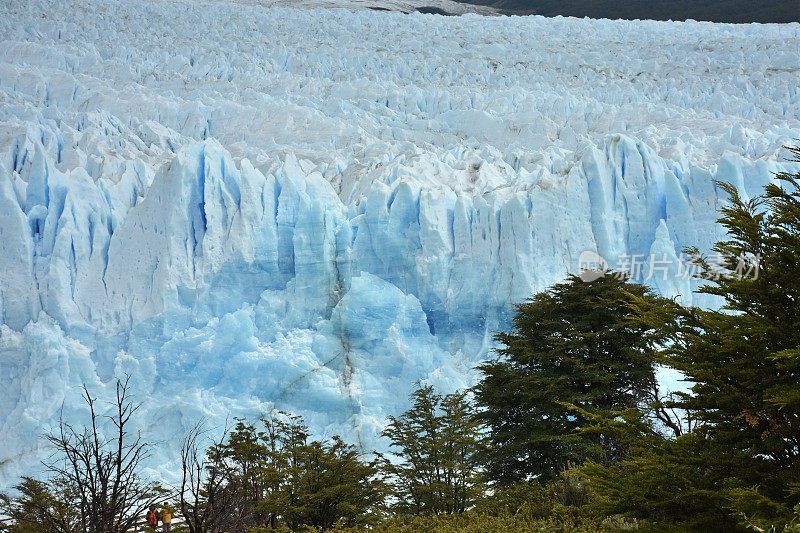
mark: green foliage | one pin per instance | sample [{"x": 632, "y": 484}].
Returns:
[
  {"x": 574, "y": 345},
  {"x": 570, "y": 489},
  {"x": 518, "y": 498},
  {"x": 739, "y": 467},
  {"x": 435, "y": 446},
  {"x": 333, "y": 486},
  {"x": 479, "y": 523},
  {"x": 563, "y": 497},
  {"x": 283, "y": 479},
  {"x": 255, "y": 464},
  {"x": 40, "y": 506}
]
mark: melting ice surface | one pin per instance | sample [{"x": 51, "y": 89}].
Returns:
[{"x": 247, "y": 207}]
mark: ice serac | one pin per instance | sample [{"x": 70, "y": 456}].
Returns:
[
  {"x": 18, "y": 295},
  {"x": 256, "y": 220},
  {"x": 626, "y": 192}
]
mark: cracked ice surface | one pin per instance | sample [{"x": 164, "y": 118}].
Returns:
[{"x": 247, "y": 207}]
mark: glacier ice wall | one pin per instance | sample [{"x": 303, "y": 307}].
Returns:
[{"x": 246, "y": 208}]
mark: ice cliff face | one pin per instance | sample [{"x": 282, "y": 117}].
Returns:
[{"x": 247, "y": 208}]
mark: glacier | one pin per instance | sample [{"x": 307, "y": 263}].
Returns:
[{"x": 250, "y": 206}]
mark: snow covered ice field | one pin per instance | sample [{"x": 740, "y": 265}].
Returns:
[{"x": 249, "y": 207}]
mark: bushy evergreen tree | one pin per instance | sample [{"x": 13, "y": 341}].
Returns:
[
  {"x": 40, "y": 506},
  {"x": 333, "y": 486},
  {"x": 740, "y": 466},
  {"x": 575, "y": 344},
  {"x": 281, "y": 478},
  {"x": 435, "y": 443}
]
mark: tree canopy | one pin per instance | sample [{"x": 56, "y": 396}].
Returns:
[
  {"x": 575, "y": 344},
  {"x": 435, "y": 443},
  {"x": 740, "y": 466}
]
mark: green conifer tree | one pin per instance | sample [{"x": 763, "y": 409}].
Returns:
[
  {"x": 575, "y": 344},
  {"x": 275, "y": 476},
  {"x": 739, "y": 468},
  {"x": 435, "y": 446}
]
